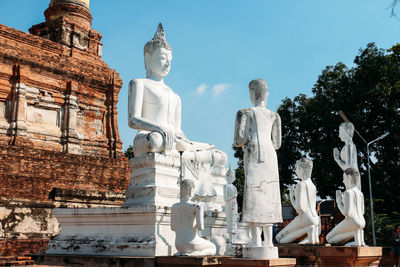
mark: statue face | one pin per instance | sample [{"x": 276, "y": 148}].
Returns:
[{"x": 160, "y": 62}]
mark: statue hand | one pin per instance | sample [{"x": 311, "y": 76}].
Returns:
[
  {"x": 338, "y": 195},
  {"x": 336, "y": 153},
  {"x": 169, "y": 138}
]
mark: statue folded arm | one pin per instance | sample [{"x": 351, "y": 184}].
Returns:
[
  {"x": 347, "y": 162},
  {"x": 343, "y": 201},
  {"x": 277, "y": 132}
]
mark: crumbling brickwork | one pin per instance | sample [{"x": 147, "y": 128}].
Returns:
[
  {"x": 59, "y": 139},
  {"x": 40, "y": 171}
]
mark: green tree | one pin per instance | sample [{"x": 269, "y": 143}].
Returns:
[
  {"x": 369, "y": 94},
  {"x": 129, "y": 152}
]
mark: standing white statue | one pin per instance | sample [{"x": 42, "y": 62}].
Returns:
[
  {"x": 187, "y": 218},
  {"x": 347, "y": 157},
  {"x": 231, "y": 206},
  {"x": 155, "y": 110},
  {"x": 351, "y": 205},
  {"x": 304, "y": 199},
  {"x": 258, "y": 133}
]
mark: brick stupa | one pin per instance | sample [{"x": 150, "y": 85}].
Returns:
[{"x": 59, "y": 139}]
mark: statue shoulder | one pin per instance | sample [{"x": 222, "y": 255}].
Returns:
[
  {"x": 275, "y": 115},
  {"x": 135, "y": 83},
  {"x": 244, "y": 112}
]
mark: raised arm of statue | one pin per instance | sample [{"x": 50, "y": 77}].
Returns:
[
  {"x": 336, "y": 156},
  {"x": 277, "y": 132},
  {"x": 199, "y": 218},
  {"x": 240, "y": 129}
]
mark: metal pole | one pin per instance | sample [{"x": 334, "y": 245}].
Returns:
[{"x": 370, "y": 198}]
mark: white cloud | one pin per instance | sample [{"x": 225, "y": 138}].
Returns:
[
  {"x": 217, "y": 89},
  {"x": 201, "y": 88}
]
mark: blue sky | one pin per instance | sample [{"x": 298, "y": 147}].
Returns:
[{"x": 219, "y": 46}]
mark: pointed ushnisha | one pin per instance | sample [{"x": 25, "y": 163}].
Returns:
[{"x": 158, "y": 41}]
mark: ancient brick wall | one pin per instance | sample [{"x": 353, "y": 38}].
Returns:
[
  {"x": 59, "y": 139},
  {"x": 58, "y": 97},
  {"x": 34, "y": 181},
  {"x": 32, "y": 173}
]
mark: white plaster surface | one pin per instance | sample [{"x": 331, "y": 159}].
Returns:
[
  {"x": 260, "y": 253},
  {"x": 155, "y": 109},
  {"x": 187, "y": 218},
  {"x": 303, "y": 196},
  {"x": 347, "y": 157},
  {"x": 134, "y": 231},
  {"x": 351, "y": 205},
  {"x": 258, "y": 133},
  {"x": 154, "y": 181}
]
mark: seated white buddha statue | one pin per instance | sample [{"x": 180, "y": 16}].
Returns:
[
  {"x": 351, "y": 205},
  {"x": 155, "y": 109},
  {"x": 187, "y": 218},
  {"x": 303, "y": 197}
]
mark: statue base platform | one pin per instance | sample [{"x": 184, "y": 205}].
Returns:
[
  {"x": 154, "y": 181},
  {"x": 140, "y": 231},
  {"x": 318, "y": 255},
  {"x": 111, "y": 261},
  {"x": 261, "y": 253},
  {"x": 281, "y": 262},
  {"x": 142, "y": 227}
]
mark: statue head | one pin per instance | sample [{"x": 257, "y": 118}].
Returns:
[
  {"x": 351, "y": 178},
  {"x": 186, "y": 188},
  {"x": 346, "y": 130},
  {"x": 258, "y": 91},
  {"x": 304, "y": 168},
  {"x": 157, "y": 54}
]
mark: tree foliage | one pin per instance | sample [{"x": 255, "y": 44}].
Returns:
[
  {"x": 129, "y": 152},
  {"x": 369, "y": 94}
]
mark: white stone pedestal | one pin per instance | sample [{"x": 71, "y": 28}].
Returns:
[
  {"x": 142, "y": 226},
  {"x": 154, "y": 182},
  {"x": 142, "y": 231},
  {"x": 260, "y": 253}
]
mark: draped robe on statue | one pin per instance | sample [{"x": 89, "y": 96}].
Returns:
[{"x": 253, "y": 132}]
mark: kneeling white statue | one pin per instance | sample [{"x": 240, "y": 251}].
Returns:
[
  {"x": 303, "y": 197},
  {"x": 187, "y": 218},
  {"x": 351, "y": 205}
]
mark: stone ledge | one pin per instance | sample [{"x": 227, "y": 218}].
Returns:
[
  {"x": 332, "y": 255},
  {"x": 190, "y": 261},
  {"x": 169, "y": 261},
  {"x": 281, "y": 262}
]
